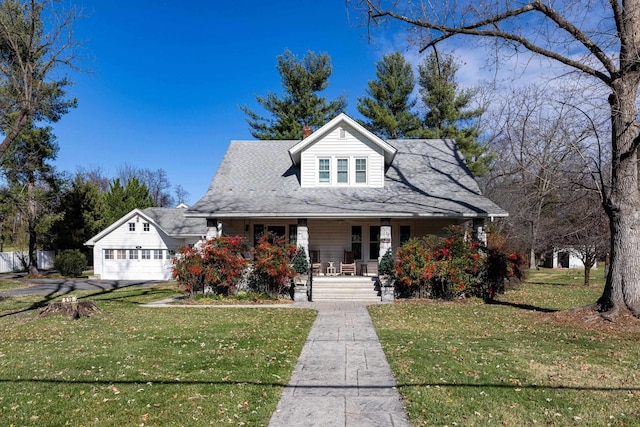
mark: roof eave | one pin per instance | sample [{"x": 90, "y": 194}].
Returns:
[{"x": 337, "y": 215}]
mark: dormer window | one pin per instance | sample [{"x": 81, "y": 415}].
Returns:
[
  {"x": 343, "y": 171},
  {"x": 361, "y": 171},
  {"x": 324, "y": 170},
  {"x": 341, "y": 154}
]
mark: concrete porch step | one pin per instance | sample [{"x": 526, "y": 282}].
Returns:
[{"x": 346, "y": 288}]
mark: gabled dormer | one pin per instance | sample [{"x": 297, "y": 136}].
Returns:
[{"x": 342, "y": 153}]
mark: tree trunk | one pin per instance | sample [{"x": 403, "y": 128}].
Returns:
[
  {"x": 532, "y": 259},
  {"x": 587, "y": 274},
  {"x": 31, "y": 221},
  {"x": 33, "y": 253},
  {"x": 622, "y": 288}
]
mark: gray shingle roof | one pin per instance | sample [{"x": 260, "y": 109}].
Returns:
[
  {"x": 175, "y": 224},
  {"x": 428, "y": 178}
]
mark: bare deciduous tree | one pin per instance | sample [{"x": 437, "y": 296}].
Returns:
[
  {"x": 156, "y": 181},
  {"x": 597, "y": 39},
  {"x": 540, "y": 146}
]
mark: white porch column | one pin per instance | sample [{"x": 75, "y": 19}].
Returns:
[
  {"x": 385, "y": 237},
  {"x": 303, "y": 235},
  {"x": 479, "y": 234}
]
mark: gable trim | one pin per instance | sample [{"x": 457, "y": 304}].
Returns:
[
  {"x": 295, "y": 152},
  {"x": 125, "y": 218}
]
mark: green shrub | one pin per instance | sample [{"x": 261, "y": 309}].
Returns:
[
  {"x": 300, "y": 261},
  {"x": 387, "y": 264},
  {"x": 218, "y": 264},
  {"x": 272, "y": 269},
  {"x": 71, "y": 263},
  {"x": 453, "y": 267}
]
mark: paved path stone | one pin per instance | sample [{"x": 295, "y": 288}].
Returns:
[{"x": 342, "y": 377}]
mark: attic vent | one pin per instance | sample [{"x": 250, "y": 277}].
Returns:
[{"x": 343, "y": 134}]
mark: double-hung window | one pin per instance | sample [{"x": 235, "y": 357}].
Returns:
[
  {"x": 132, "y": 226},
  {"x": 324, "y": 170},
  {"x": 361, "y": 171},
  {"x": 343, "y": 171}
]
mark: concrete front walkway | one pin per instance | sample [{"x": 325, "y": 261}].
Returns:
[{"x": 342, "y": 377}]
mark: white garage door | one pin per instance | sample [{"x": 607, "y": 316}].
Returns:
[{"x": 136, "y": 264}]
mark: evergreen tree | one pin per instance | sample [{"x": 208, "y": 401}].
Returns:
[
  {"x": 32, "y": 185},
  {"x": 121, "y": 200},
  {"x": 301, "y": 105},
  {"x": 388, "y": 106},
  {"x": 36, "y": 44},
  {"x": 447, "y": 110},
  {"x": 82, "y": 214}
]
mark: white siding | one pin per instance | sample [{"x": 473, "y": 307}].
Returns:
[
  {"x": 352, "y": 146},
  {"x": 135, "y": 269}
]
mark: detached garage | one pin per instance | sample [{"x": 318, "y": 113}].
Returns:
[{"x": 141, "y": 244}]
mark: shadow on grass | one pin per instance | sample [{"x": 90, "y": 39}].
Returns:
[
  {"x": 303, "y": 386},
  {"x": 528, "y": 307},
  {"x": 144, "y": 289},
  {"x": 518, "y": 387}
]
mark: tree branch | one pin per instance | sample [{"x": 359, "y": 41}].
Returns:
[{"x": 476, "y": 29}]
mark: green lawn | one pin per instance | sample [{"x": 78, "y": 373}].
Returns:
[
  {"x": 131, "y": 365},
  {"x": 565, "y": 276},
  {"x": 513, "y": 363},
  {"x": 517, "y": 362},
  {"x": 6, "y": 284}
]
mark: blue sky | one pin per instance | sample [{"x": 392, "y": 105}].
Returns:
[{"x": 165, "y": 78}]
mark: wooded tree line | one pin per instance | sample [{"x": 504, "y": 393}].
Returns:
[{"x": 41, "y": 208}]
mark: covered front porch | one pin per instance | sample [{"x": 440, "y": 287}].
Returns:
[{"x": 340, "y": 246}]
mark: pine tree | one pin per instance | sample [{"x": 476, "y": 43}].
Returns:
[
  {"x": 121, "y": 200},
  {"x": 448, "y": 114},
  {"x": 32, "y": 183},
  {"x": 301, "y": 105},
  {"x": 36, "y": 44},
  {"x": 83, "y": 214},
  {"x": 388, "y": 106}
]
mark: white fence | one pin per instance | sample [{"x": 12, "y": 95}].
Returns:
[{"x": 16, "y": 261}]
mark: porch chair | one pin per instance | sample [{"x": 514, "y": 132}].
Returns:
[
  {"x": 348, "y": 264},
  {"x": 316, "y": 265}
]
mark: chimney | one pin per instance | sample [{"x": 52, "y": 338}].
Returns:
[{"x": 306, "y": 131}]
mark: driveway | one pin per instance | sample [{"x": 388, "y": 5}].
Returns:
[{"x": 51, "y": 286}]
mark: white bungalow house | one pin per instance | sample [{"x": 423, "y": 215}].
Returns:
[
  {"x": 342, "y": 192},
  {"x": 141, "y": 244}
]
